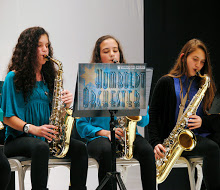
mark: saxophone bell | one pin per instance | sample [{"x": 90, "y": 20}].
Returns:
[{"x": 187, "y": 140}]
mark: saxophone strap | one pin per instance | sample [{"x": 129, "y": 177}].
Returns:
[{"x": 183, "y": 99}]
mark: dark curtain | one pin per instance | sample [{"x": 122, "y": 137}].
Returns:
[{"x": 168, "y": 25}]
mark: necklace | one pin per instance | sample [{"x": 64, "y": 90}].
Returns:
[{"x": 41, "y": 87}]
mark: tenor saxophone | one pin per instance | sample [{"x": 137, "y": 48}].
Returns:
[
  {"x": 129, "y": 125},
  {"x": 180, "y": 138},
  {"x": 60, "y": 116}
]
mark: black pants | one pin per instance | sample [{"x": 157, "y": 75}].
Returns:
[
  {"x": 38, "y": 151},
  {"x": 210, "y": 151},
  {"x": 5, "y": 171},
  {"x": 100, "y": 149}
]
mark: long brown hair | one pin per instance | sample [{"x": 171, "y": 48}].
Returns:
[
  {"x": 24, "y": 62},
  {"x": 180, "y": 69},
  {"x": 96, "y": 58}
]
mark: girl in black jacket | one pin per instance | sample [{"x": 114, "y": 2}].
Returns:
[{"x": 176, "y": 89}]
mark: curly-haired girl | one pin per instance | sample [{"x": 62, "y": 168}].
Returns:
[{"x": 26, "y": 97}]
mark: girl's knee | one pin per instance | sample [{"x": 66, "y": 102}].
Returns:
[
  {"x": 41, "y": 147},
  {"x": 77, "y": 147}
]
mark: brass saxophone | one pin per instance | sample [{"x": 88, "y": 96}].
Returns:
[
  {"x": 60, "y": 116},
  {"x": 128, "y": 124},
  {"x": 1, "y": 126},
  {"x": 180, "y": 139}
]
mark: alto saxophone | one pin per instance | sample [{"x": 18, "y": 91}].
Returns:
[
  {"x": 60, "y": 116},
  {"x": 180, "y": 138},
  {"x": 128, "y": 124}
]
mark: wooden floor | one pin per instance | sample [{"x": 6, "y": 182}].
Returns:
[{"x": 59, "y": 179}]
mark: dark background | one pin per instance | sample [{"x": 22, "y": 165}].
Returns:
[{"x": 168, "y": 25}]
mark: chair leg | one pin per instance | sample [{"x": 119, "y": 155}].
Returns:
[
  {"x": 199, "y": 176},
  {"x": 25, "y": 168},
  {"x": 14, "y": 163},
  {"x": 190, "y": 173},
  {"x": 21, "y": 179}
]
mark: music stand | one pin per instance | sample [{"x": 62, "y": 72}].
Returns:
[
  {"x": 140, "y": 85},
  {"x": 113, "y": 174}
]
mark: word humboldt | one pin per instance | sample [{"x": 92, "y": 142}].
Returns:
[{"x": 115, "y": 89}]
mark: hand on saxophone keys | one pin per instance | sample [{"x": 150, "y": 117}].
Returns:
[
  {"x": 67, "y": 98},
  {"x": 194, "y": 122},
  {"x": 47, "y": 131},
  {"x": 119, "y": 133},
  {"x": 159, "y": 151}
]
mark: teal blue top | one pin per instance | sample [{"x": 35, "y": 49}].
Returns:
[
  {"x": 1, "y": 115},
  {"x": 35, "y": 111},
  {"x": 87, "y": 127}
]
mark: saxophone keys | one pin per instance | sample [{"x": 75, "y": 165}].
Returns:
[
  {"x": 186, "y": 120},
  {"x": 189, "y": 113},
  {"x": 159, "y": 162},
  {"x": 157, "y": 172},
  {"x": 165, "y": 159}
]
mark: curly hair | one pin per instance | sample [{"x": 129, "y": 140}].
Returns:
[
  {"x": 180, "y": 68},
  {"x": 24, "y": 62},
  {"x": 96, "y": 58}
]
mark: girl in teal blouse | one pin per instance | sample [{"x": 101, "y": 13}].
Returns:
[
  {"x": 26, "y": 101},
  {"x": 96, "y": 130},
  {"x": 35, "y": 111},
  {"x": 88, "y": 127}
]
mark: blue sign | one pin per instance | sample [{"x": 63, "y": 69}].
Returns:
[{"x": 112, "y": 86}]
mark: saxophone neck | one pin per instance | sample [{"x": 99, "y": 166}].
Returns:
[
  {"x": 48, "y": 58},
  {"x": 205, "y": 77}
]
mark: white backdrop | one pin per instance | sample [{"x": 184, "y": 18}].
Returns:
[{"x": 73, "y": 26}]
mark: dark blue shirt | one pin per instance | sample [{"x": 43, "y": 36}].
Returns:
[{"x": 192, "y": 91}]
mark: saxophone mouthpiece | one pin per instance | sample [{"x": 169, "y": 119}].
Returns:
[
  {"x": 115, "y": 61},
  {"x": 47, "y": 57}
]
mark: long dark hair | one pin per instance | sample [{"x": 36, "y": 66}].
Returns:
[
  {"x": 180, "y": 68},
  {"x": 96, "y": 58},
  {"x": 24, "y": 62}
]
